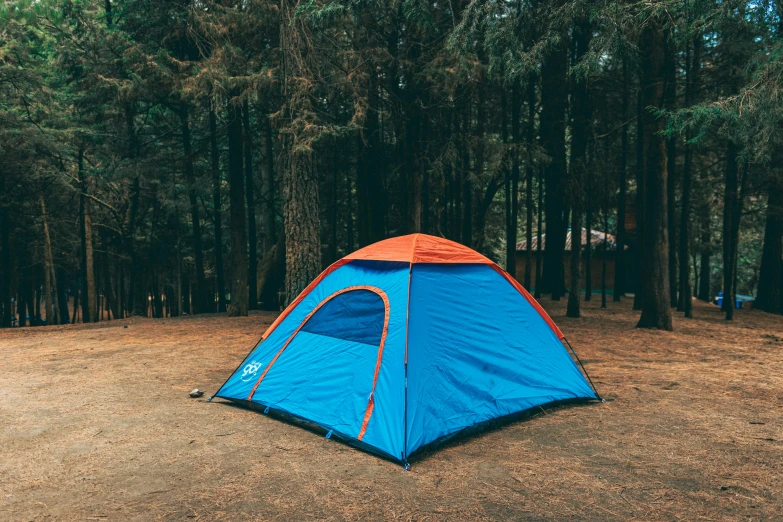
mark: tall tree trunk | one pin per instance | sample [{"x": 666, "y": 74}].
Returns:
[
  {"x": 236, "y": 181},
  {"x": 482, "y": 203},
  {"x": 217, "y": 182},
  {"x": 670, "y": 102},
  {"x": 693, "y": 61},
  {"x": 640, "y": 201},
  {"x": 369, "y": 181},
  {"x": 199, "y": 297},
  {"x": 582, "y": 115},
  {"x": 656, "y": 310},
  {"x": 252, "y": 236},
  {"x": 531, "y": 136},
  {"x": 89, "y": 294},
  {"x": 53, "y": 312},
  {"x": 349, "y": 203},
  {"x": 62, "y": 296},
  {"x": 301, "y": 212},
  {"x": 553, "y": 139},
  {"x": 270, "y": 235},
  {"x": 5, "y": 257},
  {"x": 588, "y": 244},
  {"x": 769, "y": 296},
  {"x": 467, "y": 183},
  {"x": 730, "y": 198},
  {"x": 604, "y": 255},
  {"x": 511, "y": 232},
  {"x": 539, "y": 230},
  {"x": 619, "y": 254},
  {"x": 575, "y": 259},
  {"x": 510, "y": 248}
]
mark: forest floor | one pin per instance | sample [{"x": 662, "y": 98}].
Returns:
[{"x": 96, "y": 424}]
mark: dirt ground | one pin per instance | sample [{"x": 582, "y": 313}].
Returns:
[{"x": 96, "y": 424}]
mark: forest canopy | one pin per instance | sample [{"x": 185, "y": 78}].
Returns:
[{"x": 181, "y": 157}]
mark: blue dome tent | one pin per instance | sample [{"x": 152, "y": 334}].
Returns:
[{"x": 404, "y": 343}]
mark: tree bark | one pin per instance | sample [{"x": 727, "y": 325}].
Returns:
[
  {"x": 5, "y": 247},
  {"x": 53, "y": 312},
  {"x": 581, "y": 111},
  {"x": 217, "y": 182},
  {"x": 553, "y": 139},
  {"x": 301, "y": 212},
  {"x": 369, "y": 182},
  {"x": 270, "y": 235},
  {"x": 199, "y": 292},
  {"x": 730, "y": 197},
  {"x": 619, "y": 255},
  {"x": 670, "y": 102},
  {"x": 531, "y": 136},
  {"x": 539, "y": 229},
  {"x": 693, "y": 64},
  {"x": 656, "y": 310},
  {"x": 466, "y": 181},
  {"x": 769, "y": 296},
  {"x": 640, "y": 201},
  {"x": 236, "y": 180},
  {"x": 511, "y": 232},
  {"x": 89, "y": 294},
  {"x": 252, "y": 236}
]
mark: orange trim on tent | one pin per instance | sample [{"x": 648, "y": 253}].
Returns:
[
  {"x": 331, "y": 268},
  {"x": 419, "y": 248},
  {"x": 530, "y": 299},
  {"x": 371, "y": 401}
]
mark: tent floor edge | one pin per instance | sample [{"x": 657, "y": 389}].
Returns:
[
  {"x": 312, "y": 426},
  {"x": 486, "y": 426}
]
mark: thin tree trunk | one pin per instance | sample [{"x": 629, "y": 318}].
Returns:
[
  {"x": 270, "y": 235},
  {"x": 656, "y": 310},
  {"x": 531, "y": 136},
  {"x": 582, "y": 115},
  {"x": 369, "y": 182},
  {"x": 640, "y": 200},
  {"x": 619, "y": 255},
  {"x": 482, "y": 204},
  {"x": 511, "y": 232},
  {"x": 685, "y": 303},
  {"x": 730, "y": 199},
  {"x": 552, "y": 131},
  {"x": 89, "y": 294},
  {"x": 63, "y": 316},
  {"x": 604, "y": 255},
  {"x": 769, "y": 296},
  {"x": 349, "y": 218},
  {"x": 53, "y": 312},
  {"x": 467, "y": 183},
  {"x": 539, "y": 229},
  {"x": 588, "y": 243},
  {"x": 217, "y": 182},
  {"x": 252, "y": 236},
  {"x": 198, "y": 252},
  {"x": 670, "y": 99},
  {"x": 510, "y": 247},
  {"x": 572, "y": 309},
  {"x": 5, "y": 258},
  {"x": 236, "y": 181}
]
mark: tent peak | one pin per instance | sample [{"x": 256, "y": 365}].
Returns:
[{"x": 419, "y": 248}]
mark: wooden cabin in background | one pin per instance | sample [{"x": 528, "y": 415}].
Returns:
[{"x": 603, "y": 247}]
